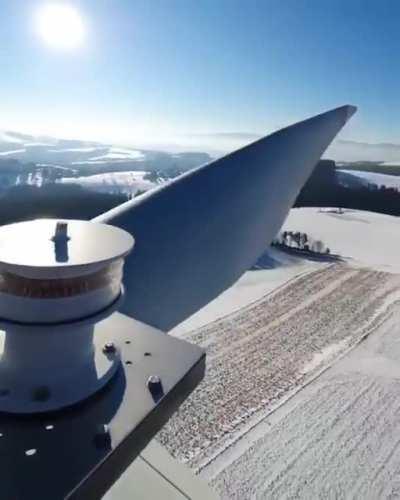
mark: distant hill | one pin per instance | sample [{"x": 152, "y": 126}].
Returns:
[
  {"x": 329, "y": 186},
  {"x": 370, "y": 166},
  {"x": 352, "y": 151},
  {"x": 355, "y": 178},
  {"x": 92, "y": 157}
]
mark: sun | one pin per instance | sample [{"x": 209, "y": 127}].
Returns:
[{"x": 60, "y": 26}]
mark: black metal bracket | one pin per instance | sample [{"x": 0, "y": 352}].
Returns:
[{"x": 80, "y": 452}]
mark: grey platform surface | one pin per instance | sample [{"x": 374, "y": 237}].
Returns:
[
  {"x": 64, "y": 455},
  {"x": 156, "y": 475}
]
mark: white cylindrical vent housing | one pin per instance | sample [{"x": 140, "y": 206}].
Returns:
[
  {"x": 55, "y": 271},
  {"x": 58, "y": 281}
]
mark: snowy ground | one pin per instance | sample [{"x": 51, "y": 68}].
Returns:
[
  {"x": 113, "y": 182},
  {"x": 269, "y": 421},
  {"x": 364, "y": 238},
  {"x": 337, "y": 438},
  {"x": 259, "y": 355},
  {"x": 116, "y": 154},
  {"x": 273, "y": 270},
  {"x": 365, "y": 178}
]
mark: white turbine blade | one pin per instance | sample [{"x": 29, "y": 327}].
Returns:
[{"x": 196, "y": 235}]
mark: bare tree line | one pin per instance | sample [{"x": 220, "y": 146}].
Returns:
[{"x": 300, "y": 241}]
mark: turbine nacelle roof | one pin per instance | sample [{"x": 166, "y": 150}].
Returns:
[
  {"x": 53, "y": 248},
  {"x": 55, "y": 271}
]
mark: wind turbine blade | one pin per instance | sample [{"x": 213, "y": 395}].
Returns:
[{"x": 198, "y": 234}]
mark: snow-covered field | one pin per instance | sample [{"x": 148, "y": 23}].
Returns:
[
  {"x": 269, "y": 421},
  {"x": 364, "y": 178},
  {"x": 66, "y": 152},
  {"x": 113, "y": 153},
  {"x": 364, "y": 238},
  {"x": 113, "y": 182},
  {"x": 52, "y": 150},
  {"x": 273, "y": 270},
  {"x": 337, "y": 438},
  {"x": 260, "y": 354}
]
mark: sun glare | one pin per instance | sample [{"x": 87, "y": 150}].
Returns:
[{"x": 60, "y": 26}]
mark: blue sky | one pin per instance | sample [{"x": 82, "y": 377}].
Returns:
[{"x": 166, "y": 69}]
